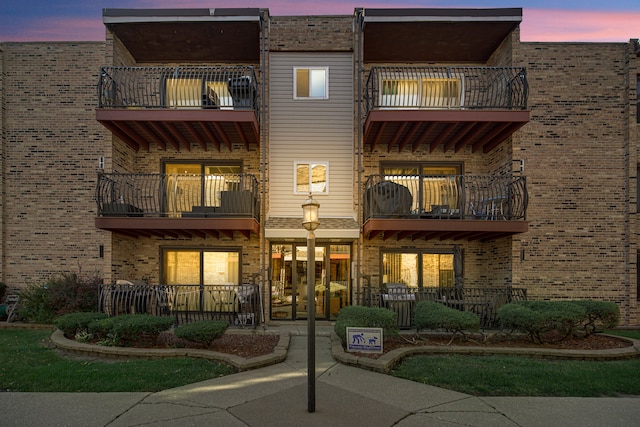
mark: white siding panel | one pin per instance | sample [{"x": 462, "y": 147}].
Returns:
[{"x": 311, "y": 130}]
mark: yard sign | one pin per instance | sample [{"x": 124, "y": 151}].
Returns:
[{"x": 366, "y": 340}]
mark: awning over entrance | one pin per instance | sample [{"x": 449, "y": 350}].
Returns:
[{"x": 330, "y": 228}]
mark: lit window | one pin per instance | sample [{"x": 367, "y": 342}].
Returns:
[
  {"x": 311, "y": 83},
  {"x": 311, "y": 178},
  {"x": 419, "y": 269}
]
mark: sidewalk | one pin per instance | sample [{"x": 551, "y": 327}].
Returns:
[{"x": 276, "y": 395}]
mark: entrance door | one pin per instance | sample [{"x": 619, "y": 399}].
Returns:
[{"x": 289, "y": 281}]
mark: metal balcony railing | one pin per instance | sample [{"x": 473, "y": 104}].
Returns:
[
  {"x": 240, "y": 305},
  {"x": 500, "y": 197},
  {"x": 481, "y": 88},
  {"x": 482, "y": 301},
  {"x": 228, "y": 87},
  {"x": 177, "y": 195}
]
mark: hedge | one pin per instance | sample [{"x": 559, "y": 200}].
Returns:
[{"x": 357, "y": 316}]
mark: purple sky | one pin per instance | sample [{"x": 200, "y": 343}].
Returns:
[{"x": 543, "y": 20}]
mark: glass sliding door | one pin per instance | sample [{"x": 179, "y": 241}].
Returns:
[{"x": 331, "y": 289}]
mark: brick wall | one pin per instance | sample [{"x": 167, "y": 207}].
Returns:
[
  {"x": 575, "y": 150},
  {"x": 311, "y": 33},
  {"x": 51, "y": 144}
]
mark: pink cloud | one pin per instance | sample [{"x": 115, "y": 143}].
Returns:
[{"x": 580, "y": 26}]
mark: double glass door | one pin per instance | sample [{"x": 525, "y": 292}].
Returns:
[{"x": 331, "y": 290}]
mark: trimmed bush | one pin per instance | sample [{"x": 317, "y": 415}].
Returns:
[
  {"x": 432, "y": 315},
  {"x": 601, "y": 315},
  {"x": 357, "y": 316},
  {"x": 130, "y": 328},
  {"x": 72, "y": 323},
  {"x": 203, "y": 332},
  {"x": 537, "y": 318}
]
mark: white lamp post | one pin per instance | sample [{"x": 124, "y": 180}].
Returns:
[{"x": 310, "y": 222}]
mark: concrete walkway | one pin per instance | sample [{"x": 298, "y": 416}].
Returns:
[{"x": 276, "y": 395}]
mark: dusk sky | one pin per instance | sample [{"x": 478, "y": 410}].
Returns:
[{"x": 543, "y": 20}]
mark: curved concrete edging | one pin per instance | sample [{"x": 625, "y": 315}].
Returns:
[
  {"x": 239, "y": 363},
  {"x": 383, "y": 364},
  {"x": 388, "y": 361}
]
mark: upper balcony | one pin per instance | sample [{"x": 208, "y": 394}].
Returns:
[
  {"x": 180, "y": 106},
  {"x": 178, "y": 205},
  {"x": 448, "y": 107},
  {"x": 445, "y": 206}
]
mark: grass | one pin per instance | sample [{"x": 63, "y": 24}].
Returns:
[
  {"x": 522, "y": 376},
  {"x": 27, "y": 364}
]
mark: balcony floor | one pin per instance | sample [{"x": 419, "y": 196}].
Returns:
[
  {"x": 179, "y": 227},
  {"x": 442, "y": 229},
  {"x": 178, "y": 128},
  {"x": 451, "y": 129}
]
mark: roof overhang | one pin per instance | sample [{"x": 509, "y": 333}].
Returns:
[
  {"x": 188, "y": 35},
  {"x": 436, "y": 35}
]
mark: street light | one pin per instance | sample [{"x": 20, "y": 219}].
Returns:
[{"x": 310, "y": 222}]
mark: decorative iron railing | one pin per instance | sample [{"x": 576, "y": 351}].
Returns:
[
  {"x": 483, "y": 301},
  {"x": 484, "y": 88},
  {"x": 491, "y": 197},
  {"x": 224, "y": 87},
  {"x": 240, "y": 305},
  {"x": 177, "y": 195}
]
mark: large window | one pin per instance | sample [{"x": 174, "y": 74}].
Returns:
[
  {"x": 198, "y": 184},
  {"x": 201, "y": 267},
  {"x": 311, "y": 83},
  {"x": 433, "y": 186},
  {"x": 418, "y": 268},
  {"x": 311, "y": 178},
  {"x": 421, "y": 93}
]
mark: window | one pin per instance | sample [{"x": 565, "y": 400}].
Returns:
[
  {"x": 200, "y": 185},
  {"x": 201, "y": 267},
  {"x": 437, "y": 92},
  {"x": 310, "y": 83},
  {"x": 419, "y": 268},
  {"x": 311, "y": 178},
  {"x": 435, "y": 188}
]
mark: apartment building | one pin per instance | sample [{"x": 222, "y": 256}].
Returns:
[{"x": 443, "y": 151}]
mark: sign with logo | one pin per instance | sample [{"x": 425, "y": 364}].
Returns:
[{"x": 365, "y": 340}]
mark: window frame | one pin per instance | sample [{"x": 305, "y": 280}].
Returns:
[
  {"x": 201, "y": 252},
  {"x": 420, "y": 262},
  {"x": 325, "y": 95},
  {"x": 310, "y": 177}
]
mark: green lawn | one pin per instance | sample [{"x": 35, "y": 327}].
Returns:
[
  {"x": 521, "y": 376},
  {"x": 27, "y": 364}
]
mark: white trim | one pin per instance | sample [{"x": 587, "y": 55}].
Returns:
[
  {"x": 301, "y": 233},
  {"x": 309, "y": 68},
  {"x": 143, "y": 19}
]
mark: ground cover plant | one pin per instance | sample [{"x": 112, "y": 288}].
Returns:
[{"x": 29, "y": 364}]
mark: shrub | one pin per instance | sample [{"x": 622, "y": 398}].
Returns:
[
  {"x": 203, "y": 332},
  {"x": 432, "y": 315},
  {"x": 357, "y": 316},
  {"x": 72, "y": 323},
  {"x": 130, "y": 328},
  {"x": 35, "y": 304},
  {"x": 62, "y": 294},
  {"x": 3, "y": 289},
  {"x": 537, "y": 318},
  {"x": 601, "y": 315}
]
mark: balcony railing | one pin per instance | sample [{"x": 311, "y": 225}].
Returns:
[
  {"x": 177, "y": 195},
  {"x": 238, "y": 304},
  {"x": 482, "y": 301},
  {"x": 485, "y": 88},
  {"x": 227, "y": 88},
  {"x": 500, "y": 197}
]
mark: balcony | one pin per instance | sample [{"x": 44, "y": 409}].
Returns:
[
  {"x": 177, "y": 205},
  {"x": 175, "y": 107},
  {"x": 448, "y": 107},
  {"x": 445, "y": 207}
]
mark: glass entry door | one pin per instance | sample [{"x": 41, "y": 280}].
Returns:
[{"x": 331, "y": 289}]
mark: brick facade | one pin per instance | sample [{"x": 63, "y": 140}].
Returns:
[{"x": 580, "y": 151}]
